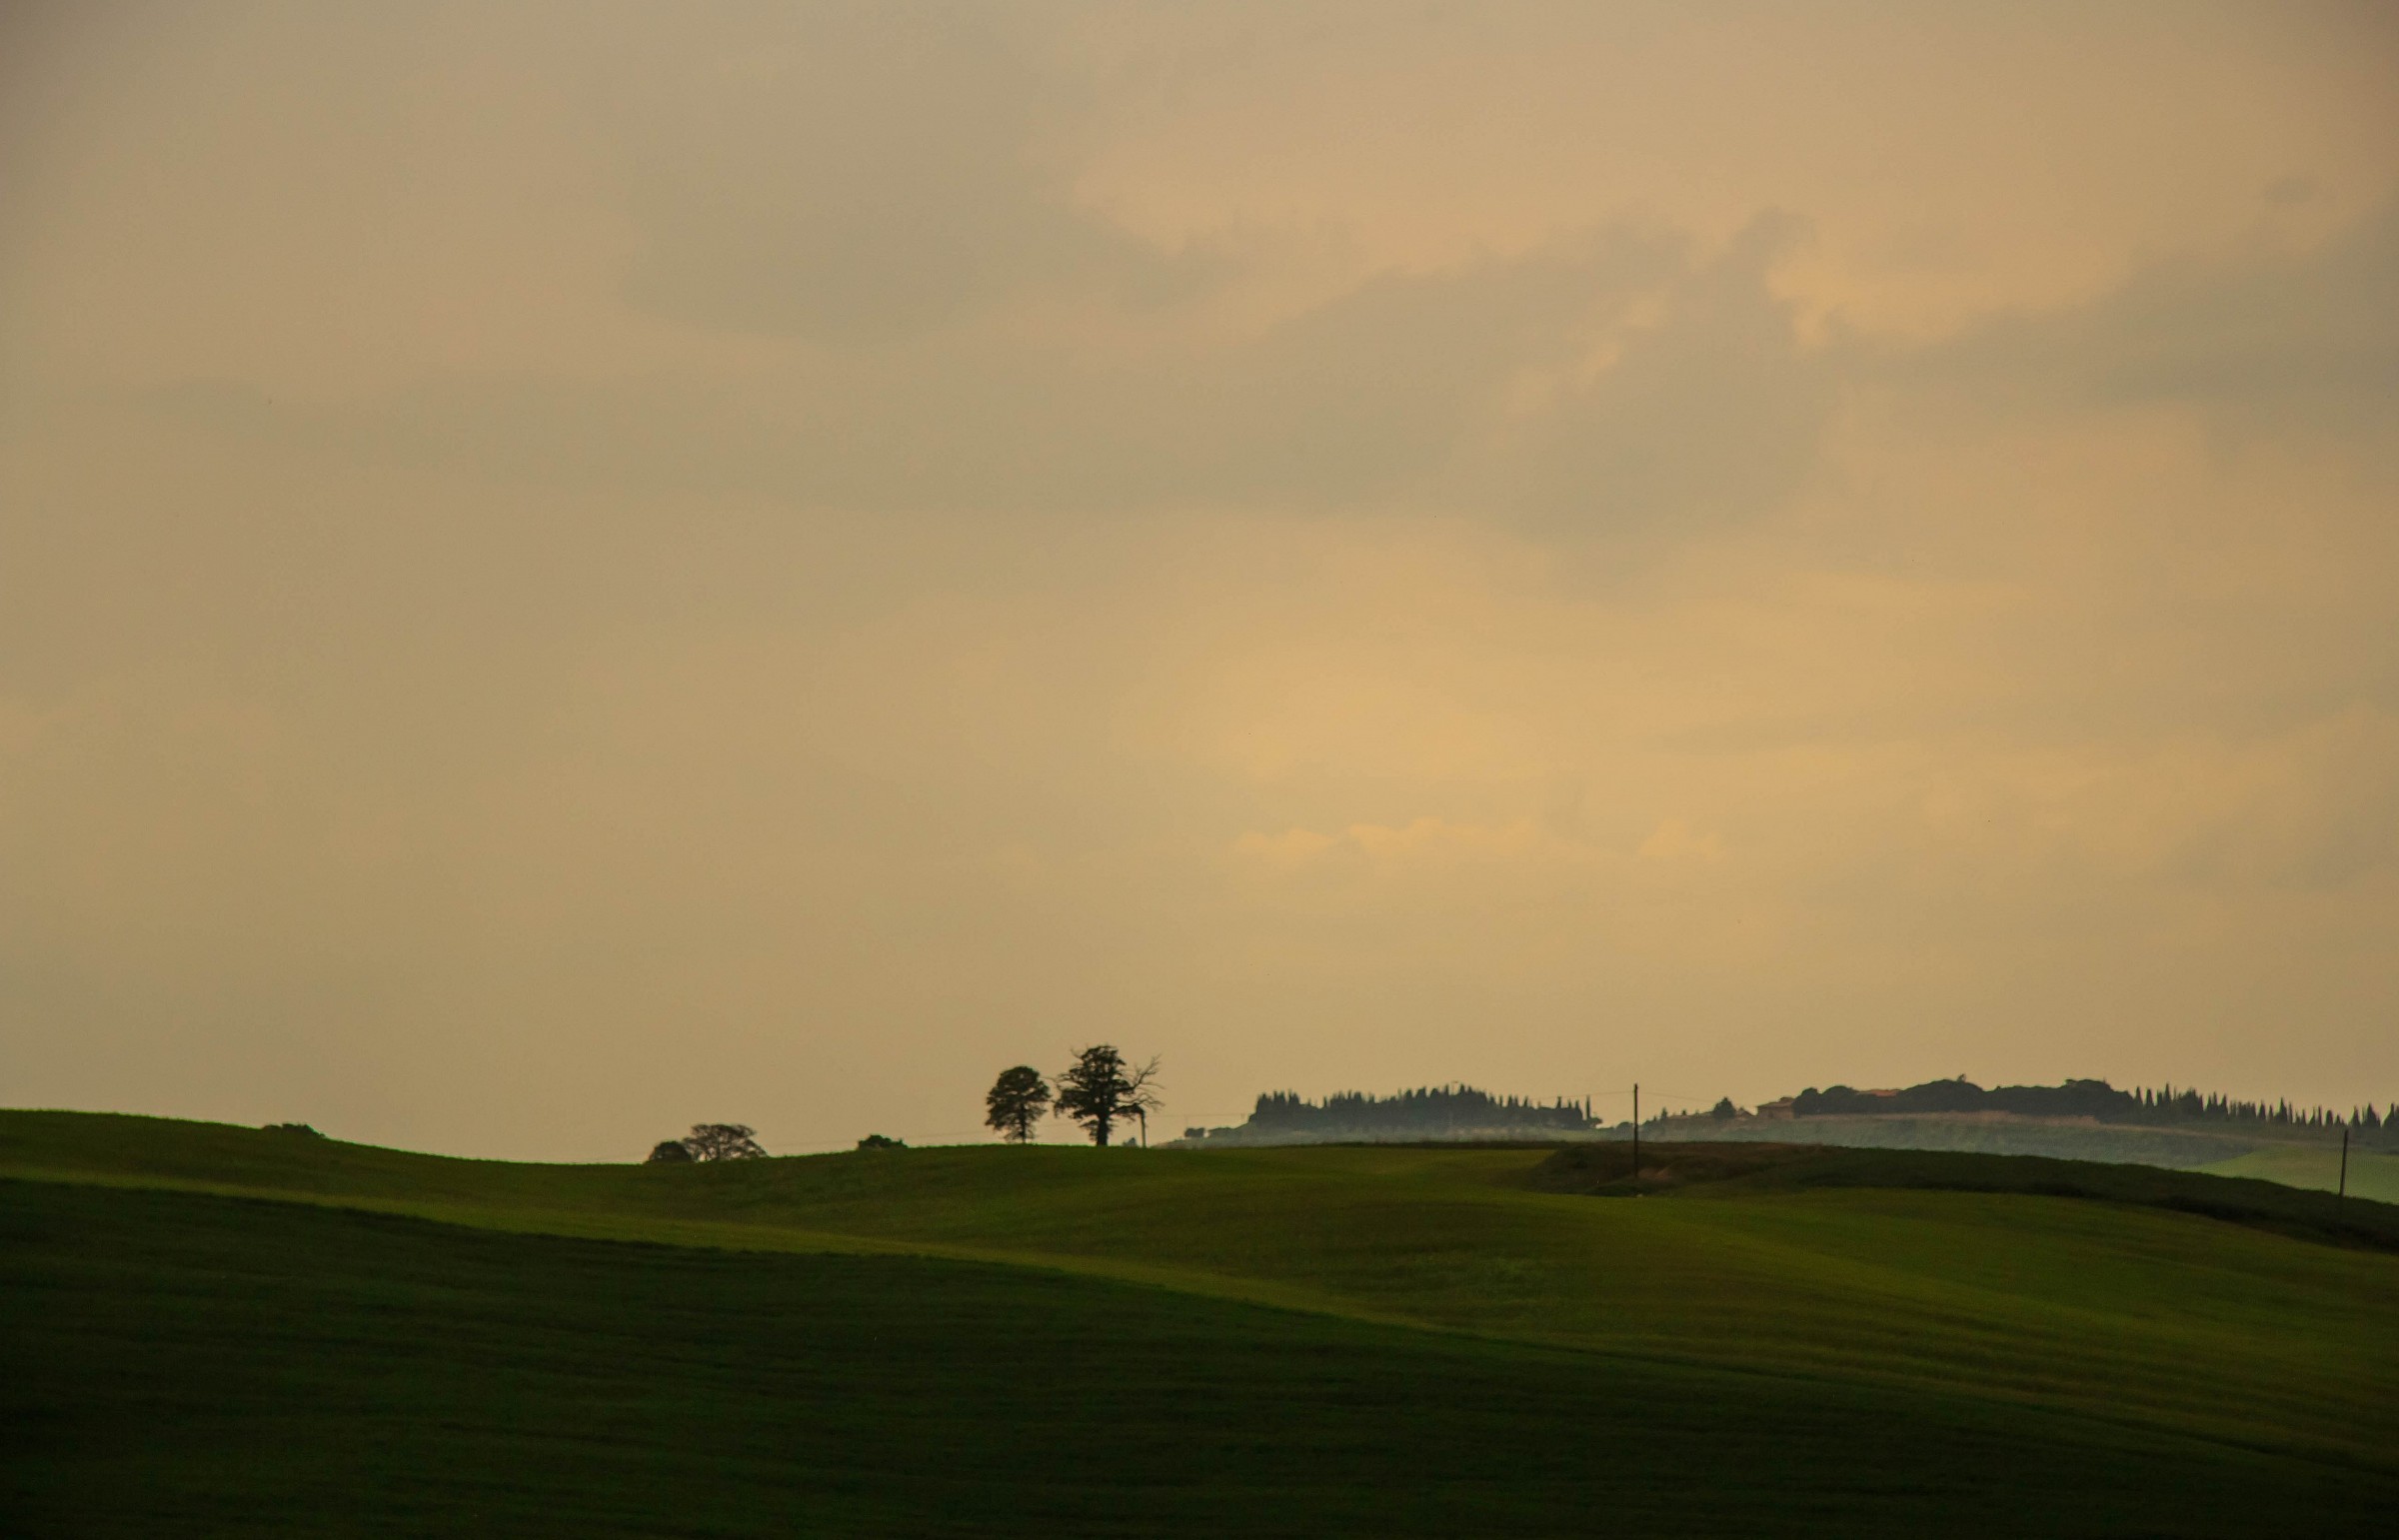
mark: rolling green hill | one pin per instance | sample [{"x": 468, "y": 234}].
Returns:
[
  {"x": 2372, "y": 1174},
  {"x": 1778, "y": 1358}
]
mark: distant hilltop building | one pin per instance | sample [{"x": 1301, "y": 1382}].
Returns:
[{"x": 2075, "y": 1099}]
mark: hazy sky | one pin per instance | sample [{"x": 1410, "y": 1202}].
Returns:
[{"x": 569, "y": 569}]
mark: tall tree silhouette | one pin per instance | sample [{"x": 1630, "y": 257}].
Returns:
[
  {"x": 1099, "y": 1090},
  {"x": 1015, "y": 1102}
]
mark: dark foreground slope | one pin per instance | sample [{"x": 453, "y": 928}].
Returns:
[{"x": 184, "y": 1363}]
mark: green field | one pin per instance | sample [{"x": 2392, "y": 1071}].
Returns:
[
  {"x": 220, "y": 1330},
  {"x": 2372, "y": 1174}
]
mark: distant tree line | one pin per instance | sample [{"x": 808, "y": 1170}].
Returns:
[
  {"x": 1102, "y": 1091},
  {"x": 2101, "y": 1102},
  {"x": 2168, "y": 1105},
  {"x": 1427, "y": 1110}
]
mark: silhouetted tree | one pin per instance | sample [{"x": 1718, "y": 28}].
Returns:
[
  {"x": 882, "y": 1141},
  {"x": 1100, "y": 1089},
  {"x": 1725, "y": 1111},
  {"x": 1015, "y": 1103},
  {"x": 1142, "y": 1096},
  {"x": 723, "y": 1141},
  {"x": 670, "y": 1153}
]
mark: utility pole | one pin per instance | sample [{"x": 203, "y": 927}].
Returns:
[
  {"x": 2344, "y": 1188},
  {"x": 1637, "y": 1131}
]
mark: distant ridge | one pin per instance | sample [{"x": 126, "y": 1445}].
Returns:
[
  {"x": 2179, "y": 1129},
  {"x": 2161, "y": 1107},
  {"x": 2078, "y": 1120}
]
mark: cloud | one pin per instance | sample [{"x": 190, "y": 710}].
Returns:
[
  {"x": 1292, "y": 847},
  {"x": 1612, "y": 383},
  {"x": 1676, "y": 841},
  {"x": 1705, "y": 415},
  {"x": 856, "y": 174},
  {"x": 1425, "y": 844},
  {"x": 2266, "y": 339},
  {"x": 2305, "y": 809}
]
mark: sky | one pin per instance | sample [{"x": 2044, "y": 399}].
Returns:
[{"x": 572, "y": 569}]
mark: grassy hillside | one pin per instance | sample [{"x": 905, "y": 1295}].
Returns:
[
  {"x": 1715, "y": 1169},
  {"x": 2371, "y": 1174},
  {"x": 2017, "y": 1312},
  {"x": 188, "y": 1364}
]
